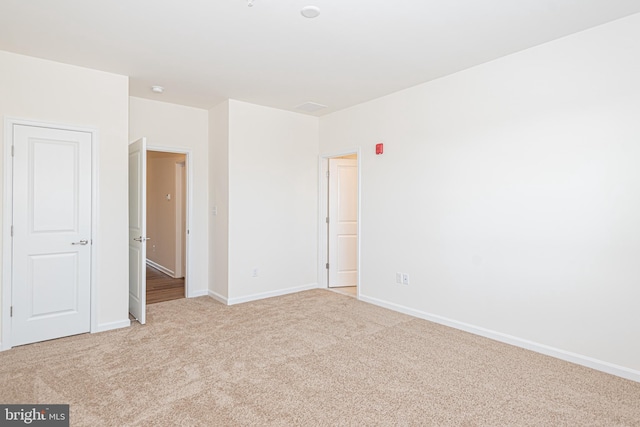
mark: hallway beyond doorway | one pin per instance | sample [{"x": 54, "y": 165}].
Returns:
[
  {"x": 351, "y": 291},
  {"x": 161, "y": 287}
]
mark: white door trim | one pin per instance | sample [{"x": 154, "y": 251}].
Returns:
[
  {"x": 181, "y": 204},
  {"x": 323, "y": 192},
  {"x": 189, "y": 195},
  {"x": 7, "y": 209}
]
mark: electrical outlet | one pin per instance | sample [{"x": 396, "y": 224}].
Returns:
[
  {"x": 254, "y": 272},
  {"x": 405, "y": 279},
  {"x": 398, "y": 277}
]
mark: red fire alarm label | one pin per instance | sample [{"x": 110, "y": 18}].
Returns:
[{"x": 379, "y": 148}]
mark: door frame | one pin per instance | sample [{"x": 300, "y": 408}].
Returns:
[
  {"x": 181, "y": 234},
  {"x": 323, "y": 203},
  {"x": 7, "y": 220},
  {"x": 188, "y": 208}
]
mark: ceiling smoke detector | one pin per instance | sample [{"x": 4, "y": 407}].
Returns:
[
  {"x": 310, "y": 11},
  {"x": 157, "y": 89}
]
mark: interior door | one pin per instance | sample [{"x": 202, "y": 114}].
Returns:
[
  {"x": 138, "y": 229},
  {"x": 51, "y": 254},
  {"x": 343, "y": 222}
]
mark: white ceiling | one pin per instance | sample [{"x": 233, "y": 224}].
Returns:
[{"x": 205, "y": 51}]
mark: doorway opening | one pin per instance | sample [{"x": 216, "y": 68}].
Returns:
[
  {"x": 166, "y": 226},
  {"x": 340, "y": 223},
  {"x": 168, "y": 251}
]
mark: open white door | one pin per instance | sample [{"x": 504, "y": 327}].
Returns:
[
  {"x": 343, "y": 222},
  {"x": 51, "y": 263},
  {"x": 138, "y": 229}
]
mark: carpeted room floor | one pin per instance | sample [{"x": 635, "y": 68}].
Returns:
[{"x": 306, "y": 359}]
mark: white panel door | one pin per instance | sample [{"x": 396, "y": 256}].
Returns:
[
  {"x": 138, "y": 229},
  {"x": 343, "y": 222},
  {"x": 51, "y": 263}
]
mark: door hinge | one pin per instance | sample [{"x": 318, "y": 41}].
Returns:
[
  {"x": 11, "y": 311},
  {"x": 327, "y": 220},
  {"x": 326, "y": 266},
  {"x": 12, "y": 151},
  {"x": 12, "y": 231}
]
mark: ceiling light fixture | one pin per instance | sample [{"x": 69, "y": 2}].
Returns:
[
  {"x": 310, "y": 107},
  {"x": 310, "y": 11},
  {"x": 157, "y": 89}
]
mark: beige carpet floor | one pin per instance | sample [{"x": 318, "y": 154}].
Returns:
[{"x": 315, "y": 358}]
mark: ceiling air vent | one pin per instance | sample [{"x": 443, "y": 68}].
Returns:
[{"x": 310, "y": 107}]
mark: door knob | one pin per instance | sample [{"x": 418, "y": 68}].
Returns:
[
  {"x": 81, "y": 242},
  {"x": 141, "y": 239}
]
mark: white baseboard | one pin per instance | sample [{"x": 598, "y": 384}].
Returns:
[
  {"x": 111, "y": 325},
  {"x": 568, "y": 356},
  {"x": 199, "y": 293},
  {"x": 162, "y": 268},
  {"x": 277, "y": 293},
  {"x": 216, "y": 296}
]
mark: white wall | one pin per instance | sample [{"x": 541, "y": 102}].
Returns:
[
  {"x": 219, "y": 185},
  {"x": 56, "y": 93},
  {"x": 273, "y": 204},
  {"x": 510, "y": 193},
  {"x": 175, "y": 126}
]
